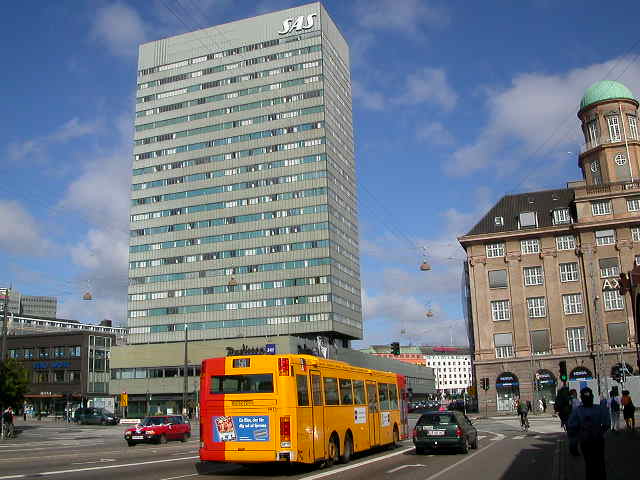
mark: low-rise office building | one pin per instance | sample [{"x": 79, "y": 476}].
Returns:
[{"x": 66, "y": 369}]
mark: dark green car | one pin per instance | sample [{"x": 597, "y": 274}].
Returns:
[{"x": 444, "y": 430}]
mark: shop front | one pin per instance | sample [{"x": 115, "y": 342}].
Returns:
[
  {"x": 507, "y": 390},
  {"x": 546, "y": 384},
  {"x": 580, "y": 373}
]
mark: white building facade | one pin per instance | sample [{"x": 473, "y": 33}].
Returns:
[{"x": 453, "y": 372}]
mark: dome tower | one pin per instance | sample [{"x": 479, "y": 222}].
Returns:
[{"x": 609, "y": 116}]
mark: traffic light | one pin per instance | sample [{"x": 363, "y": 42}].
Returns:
[
  {"x": 563, "y": 371},
  {"x": 395, "y": 348}
]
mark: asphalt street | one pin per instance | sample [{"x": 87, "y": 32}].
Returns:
[{"x": 78, "y": 452}]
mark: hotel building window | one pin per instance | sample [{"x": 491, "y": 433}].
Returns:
[
  {"x": 500, "y": 310},
  {"x": 601, "y": 207},
  {"x": 633, "y": 204},
  {"x": 635, "y": 234},
  {"x": 572, "y": 303},
  {"x": 540, "y": 342},
  {"x": 565, "y": 242},
  {"x": 533, "y": 276},
  {"x": 605, "y": 237},
  {"x": 568, "y": 272},
  {"x": 530, "y": 246},
  {"x": 613, "y": 122},
  {"x": 498, "y": 279},
  {"x": 609, "y": 267},
  {"x": 495, "y": 250},
  {"x": 561, "y": 216},
  {"x": 504, "y": 345},
  {"x": 612, "y": 300},
  {"x": 618, "y": 335},
  {"x": 633, "y": 127},
  {"x": 576, "y": 340},
  {"x": 536, "y": 307}
]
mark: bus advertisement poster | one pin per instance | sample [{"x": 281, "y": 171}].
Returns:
[{"x": 244, "y": 428}]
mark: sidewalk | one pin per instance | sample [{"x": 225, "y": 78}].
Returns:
[{"x": 621, "y": 454}]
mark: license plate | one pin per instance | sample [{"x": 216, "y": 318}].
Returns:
[
  {"x": 137, "y": 437},
  {"x": 436, "y": 432}
]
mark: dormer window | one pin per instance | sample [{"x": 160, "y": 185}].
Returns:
[
  {"x": 498, "y": 221},
  {"x": 528, "y": 220},
  {"x": 561, "y": 216}
]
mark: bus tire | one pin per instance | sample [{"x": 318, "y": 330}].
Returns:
[
  {"x": 348, "y": 449},
  {"x": 396, "y": 438},
  {"x": 333, "y": 451}
]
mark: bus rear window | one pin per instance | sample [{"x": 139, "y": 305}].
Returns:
[{"x": 255, "y": 383}]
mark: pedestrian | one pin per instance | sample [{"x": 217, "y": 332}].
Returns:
[
  {"x": 628, "y": 410},
  {"x": 575, "y": 403},
  {"x": 529, "y": 406},
  {"x": 587, "y": 426},
  {"x": 614, "y": 409},
  {"x": 562, "y": 405},
  {"x": 544, "y": 405}
]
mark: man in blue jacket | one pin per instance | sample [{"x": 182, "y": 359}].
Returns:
[{"x": 587, "y": 425}]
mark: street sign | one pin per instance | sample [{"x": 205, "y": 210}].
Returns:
[{"x": 124, "y": 400}]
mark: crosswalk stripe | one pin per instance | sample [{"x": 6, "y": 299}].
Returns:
[
  {"x": 519, "y": 437},
  {"x": 480, "y": 437}
]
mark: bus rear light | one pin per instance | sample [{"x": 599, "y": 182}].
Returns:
[
  {"x": 283, "y": 366},
  {"x": 285, "y": 429}
]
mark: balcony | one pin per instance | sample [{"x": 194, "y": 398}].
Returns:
[
  {"x": 605, "y": 140},
  {"x": 626, "y": 186}
]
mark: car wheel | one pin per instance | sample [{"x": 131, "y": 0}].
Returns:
[
  {"x": 185, "y": 437},
  {"x": 162, "y": 440},
  {"x": 348, "y": 450},
  {"x": 465, "y": 445},
  {"x": 474, "y": 445},
  {"x": 131, "y": 444},
  {"x": 420, "y": 450},
  {"x": 103, "y": 422}
]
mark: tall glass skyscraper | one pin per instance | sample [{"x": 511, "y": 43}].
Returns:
[{"x": 243, "y": 199}]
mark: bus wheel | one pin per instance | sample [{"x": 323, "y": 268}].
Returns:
[
  {"x": 333, "y": 451},
  {"x": 348, "y": 450}
]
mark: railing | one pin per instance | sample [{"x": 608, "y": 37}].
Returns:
[
  {"x": 614, "y": 187},
  {"x": 605, "y": 140}
]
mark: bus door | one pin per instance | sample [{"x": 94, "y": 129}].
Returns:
[
  {"x": 373, "y": 418},
  {"x": 318, "y": 415}
]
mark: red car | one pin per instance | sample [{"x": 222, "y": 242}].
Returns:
[{"x": 159, "y": 429}]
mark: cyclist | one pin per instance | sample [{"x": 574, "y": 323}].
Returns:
[
  {"x": 7, "y": 417},
  {"x": 523, "y": 411}
]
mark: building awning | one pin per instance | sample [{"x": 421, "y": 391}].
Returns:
[
  {"x": 503, "y": 339},
  {"x": 608, "y": 262}
]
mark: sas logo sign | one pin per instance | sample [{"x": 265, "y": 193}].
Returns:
[{"x": 297, "y": 24}]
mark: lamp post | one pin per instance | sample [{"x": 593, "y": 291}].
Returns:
[
  {"x": 185, "y": 372},
  {"x": 5, "y": 309}
]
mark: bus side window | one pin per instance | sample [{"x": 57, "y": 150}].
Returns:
[
  {"x": 316, "y": 389},
  {"x": 303, "y": 390},
  {"x": 393, "y": 396},
  {"x": 331, "y": 391},
  {"x": 384, "y": 397},
  {"x": 372, "y": 397},
  {"x": 358, "y": 390},
  {"x": 346, "y": 394}
]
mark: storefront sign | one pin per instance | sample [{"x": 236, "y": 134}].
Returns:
[
  {"x": 244, "y": 428},
  {"x": 580, "y": 373},
  {"x": 45, "y": 365},
  {"x": 545, "y": 377},
  {"x": 507, "y": 380},
  {"x": 269, "y": 349},
  {"x": 297, "y": 24}
]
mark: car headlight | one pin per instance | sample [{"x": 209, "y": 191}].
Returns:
[
  {"x": 150, "y": 432},
  {"x": 127, "y": 434}
]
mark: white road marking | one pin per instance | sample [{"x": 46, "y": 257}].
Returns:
[
  {"x": 480, "y": 437},
  {"x": 403, "y": 466},
  {"x": 518, "y": 437},
  {"x": 181, "y": 476},
  {"x": 465, "y": 459},
  {"x": 355, "y": 465},
  {"x": 12, "y": 476},
  {"x": 102, "y": 460}
]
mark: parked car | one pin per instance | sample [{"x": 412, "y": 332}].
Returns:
[
  {"x": 444, "y": 429},
  {"x": 159, "y": 429},
  {"x": 95, "y": 416}
]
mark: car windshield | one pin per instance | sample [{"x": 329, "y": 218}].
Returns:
[
  {"x": 437, "y": 419},
  {"x": 154, "y": 421}
]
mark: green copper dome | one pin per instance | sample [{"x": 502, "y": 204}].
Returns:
[{"x": 605, "y": 90}]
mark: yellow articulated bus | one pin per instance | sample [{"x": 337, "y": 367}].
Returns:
[{"x": 296, "y": 408}]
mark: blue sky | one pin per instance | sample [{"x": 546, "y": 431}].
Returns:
[{"x": 455, "y": 104}]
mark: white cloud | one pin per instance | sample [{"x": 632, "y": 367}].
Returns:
[
  {"x": 19, "y": 232},
  {"x": 35, "y": 148},
  {"x": 429, "y": 85},
  {"x": 405, "y": 16},
  {"x": 536, "y": 116},
  {"x": 435, "y": 133},
  {"x": 119, "y": 28},
  {"x": 369, "y": 99}
]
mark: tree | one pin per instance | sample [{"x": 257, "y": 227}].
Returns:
[{"x": 14, "y": 382}]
